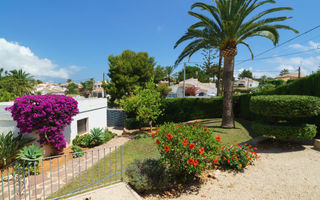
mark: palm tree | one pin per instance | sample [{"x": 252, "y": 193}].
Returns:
[
  {"x": 24, "y": 81},
  {"x": 228, "y": 26},
  {"x": 169, "y": 70}
]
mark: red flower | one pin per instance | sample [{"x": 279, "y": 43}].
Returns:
[
  {"x": 158, "y": 142},
  {"x": 166, "y": 148},
  {"x": 191, "y": 146},
  {"x": 202, "y": 151},
  {"x": 190, "y": 161},
  {"x": 215, "y": 161},
  {"x": 218, "y": 138},
  {"x": 157, "y": 131},
  {"x": 185, "y": 142},
  {"x": 195, "y": 163},
  {"x": 169, "y": 136},
  {"x": 195, "y": 122},
  {"x": 152, "y": 135}
]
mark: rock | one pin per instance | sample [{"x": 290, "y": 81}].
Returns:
[{"x": 317, "y": 144}]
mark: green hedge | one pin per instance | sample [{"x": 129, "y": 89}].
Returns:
[
  {"x": 286, "y": 131},
  {"x": 132, "y": 123},
  {"x": 186, "y": 109},
  {"x": 285, "y": 107}
]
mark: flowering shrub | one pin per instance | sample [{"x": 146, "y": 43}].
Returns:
[
  {"x": 48, "y": 115},
  {"x": 186, "y": 149},
  {"x": 237, "y": 156},
  {"x": 190, "y": 91}
]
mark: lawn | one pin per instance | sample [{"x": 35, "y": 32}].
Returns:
[{"x": 143, "y": 146}]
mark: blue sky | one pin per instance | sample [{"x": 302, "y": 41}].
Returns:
[{"x": 59, "y": 39}]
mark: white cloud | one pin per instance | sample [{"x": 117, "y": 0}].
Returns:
[
  {"x": 15, "y": 56},
  {"x": 309, "y": 46},
  {"x": 307, "y": 64}
]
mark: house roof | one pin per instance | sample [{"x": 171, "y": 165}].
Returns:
[{"x": 290, "y": 76}]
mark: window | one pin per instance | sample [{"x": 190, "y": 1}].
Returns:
[{"x": 82, "y": 126}]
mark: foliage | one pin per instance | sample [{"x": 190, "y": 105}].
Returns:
[
  {"x": 78, "y": 152},
  {"x": 245, "y": 74},
  {"x": 186, "y": 109},
  {"x": 284, "y": 72},
  {"x": 285, "y": 106},
  {"x": 309, "y": 85},
  {"x": 145, "y": 103},
  {"x": 97, "y": 136},
  {"x": 169, "y": 70},
  {"x": 159, "y": 74},
  {"x": 147, "y": 174},
  {"x": 164, "y": 90},
  {"x": 47, "y": 115},
  {"x": 275, "y": 82},
  {"x": 237, "y": 156},
  {"x": 190, "y": 91},
  {"x": 83, "y": 140},
  {"x": 208, "y": 65},
  {"x": 30, "y": 156},
  {"x": 6, "y": 96},
  {"x": 186, "y": 149},
  {"x": 286, "y": 131},
  {"x": 108, "y": 135},
  {"x": 132, "y": 123},
  {"x": 10, "y": 147},
  {"x": 194, "y": 72},
  {"x": 127, "y": 71},
  {"x": 72, "y": 88},
  {"x": 87, "y": 87}
]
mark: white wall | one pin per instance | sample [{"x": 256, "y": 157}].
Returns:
[{"x": 94, "y": 109}]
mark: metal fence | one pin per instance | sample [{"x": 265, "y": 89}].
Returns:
[{"x": 62, "y": 175}]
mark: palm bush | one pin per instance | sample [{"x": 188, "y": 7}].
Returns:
[
  {"x": 97, "y": 135},
  {"x": 10, "y": 146}
]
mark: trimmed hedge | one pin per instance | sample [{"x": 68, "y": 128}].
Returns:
[
  {"x": 285, "y": 107},
  {"x": 186, "y": 109},
  {"x": 286, "y": 131},
  {"x": 132, "y": 123}
]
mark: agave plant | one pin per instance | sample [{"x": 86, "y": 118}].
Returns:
[
  {"x": 10, "y": 146},
  {"x": 31, "y": 152},
  {"x": 97, "y": 135},
  {"x": 30, "y": 156}
]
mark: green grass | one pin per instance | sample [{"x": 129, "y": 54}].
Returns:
[
  {"x": 241, "y": 133},
  {"x": 142, "y": 146}
]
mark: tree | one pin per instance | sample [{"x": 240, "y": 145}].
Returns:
[
  {"x": 245, "y": 74},
  {"x": 226, "y": 28},
  {"x": 72, "y": 88},
  {"x": 87, "y": 88},
  {"x": 146, "y": 103},
  {"x": 208, "y": 65},
  {"x": 69, "y": 80},
  {"x": 263, "y": 79},
  {"x": 194, "y": 72},
  {"x": 127, "y": 71},
  {"x": 164, "y": 90},
  {"x": 169, "y": 71},
  {"x": 159, "y": 74},
  {"x": 284, "y": 72}
]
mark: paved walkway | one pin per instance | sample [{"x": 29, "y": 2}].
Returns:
[
  {"x": 51, "y": 181},
  {"x": 119, "y": 191}
]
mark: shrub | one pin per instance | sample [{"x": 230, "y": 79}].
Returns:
[
  {"x": 30, "y": 153},
  {"x": 10, "y": 146},
  {"x": 186, "y": 149},
  {"x": 285, "y": 107},
  {"x": 47, "y": 115},
  {"x": 78, "y": 152},
  {"x": 237, "y": 156},
  {"x": 97, "y": 136},
  {"x": 108, "y": 135},
  {"x": 147, "y": 174},
  {"x": 83, "y": 140},
  {"x": 132, "y": 123},
  {"x": 190, "y": 91},
  {"x": 275, "y": 82},
  {"x": 286, "y": 131}
]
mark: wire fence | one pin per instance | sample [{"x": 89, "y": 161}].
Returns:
[{"x": 62, "y": 175}]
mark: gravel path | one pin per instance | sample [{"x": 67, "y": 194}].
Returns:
[{"x": 288, "y": 174}]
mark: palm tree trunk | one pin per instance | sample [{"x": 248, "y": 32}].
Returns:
[
  {"x": 227, "y": 115},
  {"x": 219, "y": 75}
]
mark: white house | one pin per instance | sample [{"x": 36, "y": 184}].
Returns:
[
  {"x": 92, "y": 114},
  {"x": 49, "y": 88},
  {"x": 202, "y": 89},
  {"x": 246, "y": 83}
]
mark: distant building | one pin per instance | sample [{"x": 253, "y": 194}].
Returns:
[
  {"x": 245, "y": 83},
  {"x": 49, "y": 88},
  {"x": 287, "y": 77},
  {"x": 202, "y": 89},
  {"x": 98, "y": 90}
]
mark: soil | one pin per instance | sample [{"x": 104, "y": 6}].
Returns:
[{"x": 282, "y": 171}]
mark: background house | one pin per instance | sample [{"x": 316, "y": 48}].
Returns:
[
  {"x": 92, "y": 114},
  {"x": 98, "y": 90},
  {"x": 202, "y": 89},
  {"x": 245, "y": 84},
  {"x": 291, "y": 76},
  {"x": 49, "y": 88}
]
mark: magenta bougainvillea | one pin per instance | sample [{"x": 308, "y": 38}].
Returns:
[{"x": 47, "y": 115}]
